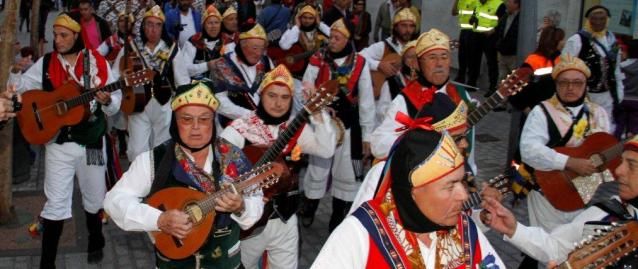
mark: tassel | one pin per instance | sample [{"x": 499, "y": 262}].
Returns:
[
  {"x": 94, "y": 156},
  {"x": 35, "y": 229}
]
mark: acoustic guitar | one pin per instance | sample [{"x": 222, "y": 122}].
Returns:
[
  {"x": 323, "y": 97},
  {"x": 295, "y": 58},
  {"x": 44, "y": 113},
  {"x": 200, "y": 208},
  {"x": 566, "y": 190},
  {"x": 511, "y": 85},
  {"x": 608, "y": 246},
  {"x": 500, "y": 182}
]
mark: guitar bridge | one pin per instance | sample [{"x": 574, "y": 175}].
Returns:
[{"x": 38, "y": 119}]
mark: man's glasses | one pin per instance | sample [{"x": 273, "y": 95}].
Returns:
[
  {"x": 564, "y": 84},
  {"x": 188, "y": 120}
]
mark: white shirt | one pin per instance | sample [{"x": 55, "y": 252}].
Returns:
[
  {"x": 32, "y": 80},
  {"x": 188, "y": 23},
  {"x": 124, "y": 201},
  {"x": 185, "y": 67},
  {"x": 227, "y": 107},
  {"x": 291, "y": 36},
  {"x": 574, "y": 44},
  {"x": 349, "y": 244},
  {"x": 535, "y": 136},
  {"x": 366, "y": 96},
  {"x": 374, "y": 52},
  {"x": 555, "y": 246},
  {"x": 317, "y": 138}
]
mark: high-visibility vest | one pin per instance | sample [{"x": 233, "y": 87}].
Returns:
[
  {"x": 486, "y": 15},
  {"x": 466, "y": 9}
]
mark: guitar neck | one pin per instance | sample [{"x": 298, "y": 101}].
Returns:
[
  {"x": 613, "y": 152},
  {"x": 473, "y": 201},
  {"x": 273, "y": 152},
  {"x": 208, "y": 204},
  {"x": 87, "y": 97},
  {"x": 477, "y": 114}
]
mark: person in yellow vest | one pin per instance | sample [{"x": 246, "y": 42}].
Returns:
[
  {"x": 484, "y": 21},
  {"x": 463, "y": 10}
]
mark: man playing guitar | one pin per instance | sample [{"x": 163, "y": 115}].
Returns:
[{"x": 77, "y": 150}]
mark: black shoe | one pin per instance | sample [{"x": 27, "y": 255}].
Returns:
[
  {"x": 95, "y": 257},
  {"x": 308, "y": 210}
]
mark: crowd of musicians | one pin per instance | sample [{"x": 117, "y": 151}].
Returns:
[{"x": 230, "y": 87}]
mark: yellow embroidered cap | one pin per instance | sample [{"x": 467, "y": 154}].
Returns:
[
  {"x": 569, "y": 62},
  {"x": 445, "y": 158},
  {"x": 308, "y": 9},
  {"x": 279, "y": 75},
  {"x": 64, "y": 20},
  {"x": 197, "y": 93},
  {"x": 407, "y": 46},
  {"x": 256, "y": 32},
  {"x": 340, "y": 26},
  {"x": 432, "y": 40},
  {"x": 155, "y": 12},
  {"x": 211, "y": 11},
  {"x": 632, "y": 144},
  {"x": 123, "y": 14},
  {"x": 229, "y": 11},
  {"x": 454, "y": 121},
  {"x": 404, "y": 14}
]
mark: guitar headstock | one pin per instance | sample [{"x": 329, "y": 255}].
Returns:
[
  {"x": 264, "y": 175},
  {"x": 138, "y": 78},
  {"x": 323, "y": 97},
  {"x": 605, "y": 248},
  {"x": 500, "y": 183},
  {"x": 515, "y": 81}
]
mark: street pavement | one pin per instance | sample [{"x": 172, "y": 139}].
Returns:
[{"x": 133, "y": 249}]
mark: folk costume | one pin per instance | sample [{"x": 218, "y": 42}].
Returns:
[
  {"x": 169, "y": 165},
  {"x": 228, "y": 37},
  {"x": 440, "y": 111},
  {"x": 77, "y": 150},
  {"x": 280, "y": 236},
  {"x": 149, "y": 128},
  {"x": 110, "y": 11},
  {"x": 192, "y": 60},
  {"x": 556, "y": 244},
  {"x": 410, "y": 100},
  {"x": 355, "y": 111},
  {"x": 309, "y": 38},
  {"x": 180, "y": 27},
  {"x": 554, "y": 123},
  {"x": 393, "y": 85},
  {"x": 111, "y": 47},
  {"x": 383, "y": 232},
  {"x": 600, "y": 51},
  {"x": 236, "y": 82}
]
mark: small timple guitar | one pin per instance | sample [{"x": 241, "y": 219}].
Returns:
[
  {"x": 201, "y": 209},
  {"x": 605, "y": 248},
  {"x": 44, "y": 113},
  {"x": 500, "y": 182}
]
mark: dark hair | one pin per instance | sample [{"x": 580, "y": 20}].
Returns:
[
  {"x": 26, "y": 51},
  {"x": 79, "y": 42},
  {"x": 85, "y": 2},
  {"x": 548, "y": 41},
  {"x": 591, "y": 9}
]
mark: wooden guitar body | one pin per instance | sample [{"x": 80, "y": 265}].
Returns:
[
  {"x": 289, "y": 58},
  {"x": 378, "y": 77},
  {"x": 135, "y": 97},
  {"x": 181, "y": 199},
  {"x": 44, "y": 113},
  {"x": 557, "y": 186}
]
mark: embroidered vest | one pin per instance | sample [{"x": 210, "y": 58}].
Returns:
[
  {"x": 602, "y": 67},
  {"x": 222, "y": 248},
  {"x": 203, "y": 54}
]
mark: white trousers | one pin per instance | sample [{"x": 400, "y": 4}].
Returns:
[
  {"x": 344, "y": 186},
  {"x": 62, "y": 162},
  {"x": 280, "y": 239},
  {"x": 543, "y": 214},
  {"x": 148, "y": 128},
  {"x": 604, "y": 99}
]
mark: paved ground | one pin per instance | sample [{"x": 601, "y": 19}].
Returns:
[{"x": 133, "y": 250}]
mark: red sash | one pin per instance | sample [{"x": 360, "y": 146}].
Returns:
[
  {"x": 414, "y": 93},
  {"x": 324, "y": 73},
  {"x": 59, "y": 76}
]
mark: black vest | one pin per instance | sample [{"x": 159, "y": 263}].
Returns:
[{"x": 598, "y": 83}]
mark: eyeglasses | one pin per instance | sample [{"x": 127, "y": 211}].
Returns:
[
  {"x": 565, "y": 84},
  {"x": 188, "y": 120}
]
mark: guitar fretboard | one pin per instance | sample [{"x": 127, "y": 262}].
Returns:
[
  {"x": 473, "y": 201},
  {"x": 87, "y": 97},
  {"x": 273, "y": 152},
  {"x": 477, "y": 114}
]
